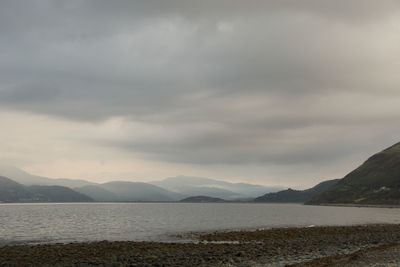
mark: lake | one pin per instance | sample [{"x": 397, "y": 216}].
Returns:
[{"x": 72, "y": 222}]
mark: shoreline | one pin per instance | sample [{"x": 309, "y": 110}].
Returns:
[
  {"x": 354, "y": 205},
  {"x": 268, "y": 247}
]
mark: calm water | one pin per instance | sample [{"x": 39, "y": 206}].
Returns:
[{"x": 35, "y": 223}]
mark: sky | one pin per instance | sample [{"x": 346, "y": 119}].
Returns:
[{"x": 271, "y": 92}]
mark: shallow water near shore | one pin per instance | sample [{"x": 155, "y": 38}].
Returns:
[{"x": 85, "y": 222}]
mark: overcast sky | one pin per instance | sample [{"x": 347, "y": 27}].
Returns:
[{"x": 271, "y": 92}]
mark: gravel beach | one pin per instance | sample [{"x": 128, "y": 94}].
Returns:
[{"x": 364, "y": 245}]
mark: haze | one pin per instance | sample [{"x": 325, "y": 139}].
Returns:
[{"x": 271, "y": 92}]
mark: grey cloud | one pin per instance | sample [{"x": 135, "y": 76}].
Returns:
[
  {"x": 255, "y": 71},
  {"x": 284, "y": 139},
  {"x": 249, "y": 148}
]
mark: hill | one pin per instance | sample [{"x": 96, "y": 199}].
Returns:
[
  {"x": 98, "y": 193},
  {"x": 376, "y": 181},
  {"x": 169, "y": 189},
  {"x": 11, "y": 191},
  {"x": 195, "y": 186},
  {"x": 301, "y": 196},
  {"x": 137, "y": 191},
  {"x": 25, "y": 178},
  {"x": 57, "y": 193},
  {"x": 202, "y": 199}
]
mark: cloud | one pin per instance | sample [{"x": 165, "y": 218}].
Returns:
[
  {"x": 209, "y": 82},
  {"x": 298, "y": 132}
]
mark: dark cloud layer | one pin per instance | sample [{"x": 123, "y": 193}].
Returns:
[{"x": 221, "y": 82}]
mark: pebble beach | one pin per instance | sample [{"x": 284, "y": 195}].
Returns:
[{"x": 361, "y": 245}]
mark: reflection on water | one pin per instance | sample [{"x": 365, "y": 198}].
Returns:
[{"x": 157, "y": 221}]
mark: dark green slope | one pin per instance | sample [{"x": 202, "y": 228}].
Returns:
[
  {"x": 376, "y": 181},
  {"x": 300, "y": 196}
]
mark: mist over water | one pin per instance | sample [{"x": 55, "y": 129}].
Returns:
[{"x": 83, "y": 222}]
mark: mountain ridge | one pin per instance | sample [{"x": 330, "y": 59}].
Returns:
[
  {"x": 169, "y": 189},
  {"x": 11, "y": 191},
  {"x": 376, "y": 181},
  {"x": 25, "y": 178},
  {"x": 296, "y": 196},
  {"x": 194, "y": 186},
  {"x": 202, "y": 199}
]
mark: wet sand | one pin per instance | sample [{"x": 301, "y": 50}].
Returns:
[{"x": 313, "y": 246}]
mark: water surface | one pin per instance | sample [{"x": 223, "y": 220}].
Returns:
[{"x": 72, "y": 222}]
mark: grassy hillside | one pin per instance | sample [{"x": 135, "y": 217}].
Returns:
[{"x": 376, "y": 181}]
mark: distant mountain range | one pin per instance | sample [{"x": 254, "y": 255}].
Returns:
[
  {"x": 376, "y": 181},
  {"x": 198, "y": 186},
  {"x": 128, "y": 191},
  {"x": 11, "y": 191},
  {"x": 170, "y": 189},
  {"x": 202, "y": 199},
  {"x": 293, "y": 196},
  {"x": 25, "y": 178}
]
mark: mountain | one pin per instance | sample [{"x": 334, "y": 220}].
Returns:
[
  {"x": 202, "y": 199},
  {"x": 57, "y": 193},
  {"x": 301, "y": 196},
  {"x": 98, "y": 193},
  {"x": 209, "y": 191},
  {"x": 136, "y": 191},
  {"x": 25, "y": 178},
  {"x": 11, "y": 191},
  {"x": 376, "y": 181},
  {"x": 192, "y": 186},
  {"x": 170, "y": 189}
]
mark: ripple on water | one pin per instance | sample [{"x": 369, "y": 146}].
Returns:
[{"x": 82, "y": 222}]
